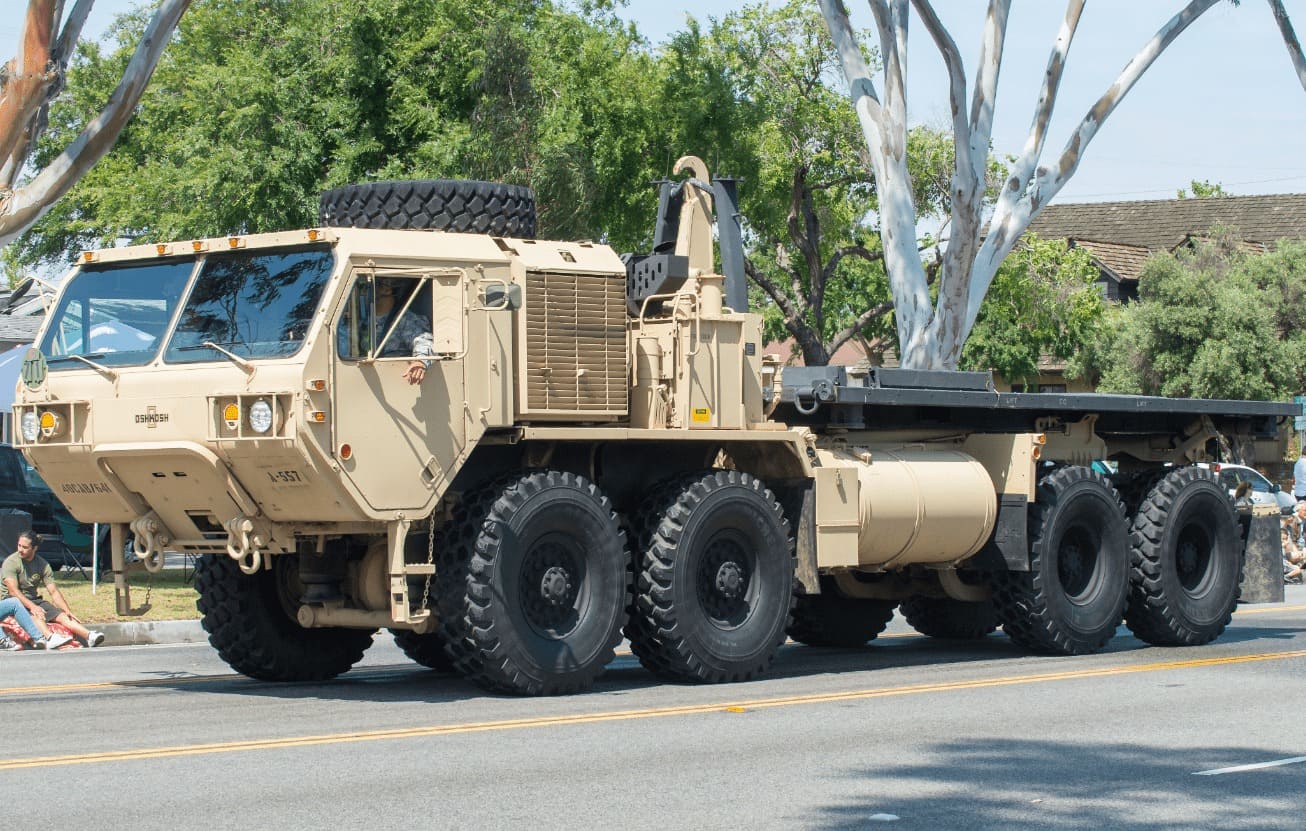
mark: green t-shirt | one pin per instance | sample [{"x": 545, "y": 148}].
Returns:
[{"x": 30, "y": 576}]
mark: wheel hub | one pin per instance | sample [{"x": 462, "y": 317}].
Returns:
[
  {"x": 556, "y": 586},
  {"x": 730, "y": 580},
  {"x": 549, "y": 586},
  {"x": 724, "y": 577}
]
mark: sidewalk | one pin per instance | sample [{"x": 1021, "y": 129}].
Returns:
[{"x": 137, "y": 633}]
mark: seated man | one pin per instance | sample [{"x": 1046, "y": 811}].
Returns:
[
  {"x": 41, "y": 637},
  {"x": 22, "y": 575}
]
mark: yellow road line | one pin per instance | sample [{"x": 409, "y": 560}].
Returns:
[
  {"x": 623, "y": 715},
  {"x": 621, "y": 653},
  {"x": 1261, "y": 610}
]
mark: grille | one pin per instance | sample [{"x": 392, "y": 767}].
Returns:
[{"x": 575, "y": 345}]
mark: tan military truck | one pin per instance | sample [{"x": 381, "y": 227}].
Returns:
[{"x": 508, "y": 450}]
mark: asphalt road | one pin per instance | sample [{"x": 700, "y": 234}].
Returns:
[{"x": 907, "y": 733}]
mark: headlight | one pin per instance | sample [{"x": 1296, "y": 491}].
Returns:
[
  {"x": 260, "y": 416},
  {"x": 30, "y": 426}
]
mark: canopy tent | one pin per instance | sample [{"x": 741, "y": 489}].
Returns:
[{"x": 11, "y": 366}]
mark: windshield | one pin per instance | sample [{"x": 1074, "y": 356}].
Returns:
[
  {"x": 115, "y": 314},
  {"x": 1232, "y": 477},
  {"x": 252, "y": 304}
]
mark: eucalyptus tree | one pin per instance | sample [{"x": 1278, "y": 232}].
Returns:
[
  {"x": 33, "y": 80},
  {"x": 933, "y": 324}
]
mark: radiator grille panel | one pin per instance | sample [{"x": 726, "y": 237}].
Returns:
[{"x": 576, "y": 344}]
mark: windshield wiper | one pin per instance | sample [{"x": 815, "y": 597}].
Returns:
[
  {"x": 100, "y": 368},
  {"x": 232, "y": 356},
  {"x": 56, "y": 358}
]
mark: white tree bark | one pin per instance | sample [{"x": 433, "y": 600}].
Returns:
[
  {"x": 35, "y": 76},
  {"x": 1290, "y": 40},
  {"x": 931, "y": 335}
]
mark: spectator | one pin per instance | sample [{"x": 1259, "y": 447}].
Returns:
[
  {"x": 1299, "y": 476},
  {"x": 1294, "y": 558},
  {"x": 41, "y": 637},
  {"x": 1296, "y": 525},
  {"x": 21, "y": 577}
]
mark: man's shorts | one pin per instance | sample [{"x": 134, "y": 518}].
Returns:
[{"x": 51, "y": 611}]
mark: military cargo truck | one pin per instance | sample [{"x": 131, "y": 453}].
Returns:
[{"x": 508, "y": 451}]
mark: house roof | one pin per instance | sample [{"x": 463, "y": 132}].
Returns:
[
  {"x": 20, "y": 329},
  {"x": 1122, "y": 235},
  {"x": 1159, "y": 224}
]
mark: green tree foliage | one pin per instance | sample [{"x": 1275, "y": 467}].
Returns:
[
  {"x": 1213, "y": 322},
  {"x": 1203, "y": 190},
  {"x": 1044, "y": 302},
  {"x": 258, "y": 106}
]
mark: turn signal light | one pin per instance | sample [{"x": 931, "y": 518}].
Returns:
[
  {"x": 51, "y": 425},
  {"x": 316, "y": 385},
  {"x": 231, "y": 416},
  {"x": 317, "y": 416}
]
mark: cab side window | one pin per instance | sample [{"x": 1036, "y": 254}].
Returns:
[{"x": 354, "y": 331}]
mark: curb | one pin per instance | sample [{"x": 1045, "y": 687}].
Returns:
[{"x": 152, "y": 632}]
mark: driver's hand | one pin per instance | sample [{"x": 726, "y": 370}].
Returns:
[{"x": 416, "y": 372}]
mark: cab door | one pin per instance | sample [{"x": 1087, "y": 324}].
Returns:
[{"x": 397, "y": 441}]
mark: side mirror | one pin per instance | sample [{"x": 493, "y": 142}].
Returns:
[
  {"x": 1275, "y": 488},
  {"x": 503, "y": 296}
]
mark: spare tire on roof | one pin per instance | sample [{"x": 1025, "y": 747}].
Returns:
[{"x": 460, "y": 205}]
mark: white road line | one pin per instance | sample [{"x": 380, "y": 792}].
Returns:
[{"x": 1240, "y": 768}]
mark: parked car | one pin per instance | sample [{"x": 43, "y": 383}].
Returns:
[{"x": 1264, "y": 492}]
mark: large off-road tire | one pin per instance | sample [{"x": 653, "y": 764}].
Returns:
[
  {"x": 1186, "y": 561},
  {"x": 250, "y": 621},
  {"x": 833, "y": 619},
  {"x": 532, "y": 584},
  {"x": 1134, "y": 487},
  {"x": 950, "y": 619},
  {"x": 715, "y": 580},
  {"x": 1071, "y": 600},
  {"x": 427, "y": 649},
  {"x": 458, "y": 205}
]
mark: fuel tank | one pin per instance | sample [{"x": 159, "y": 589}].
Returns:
[{"x": 915, "y": 504}]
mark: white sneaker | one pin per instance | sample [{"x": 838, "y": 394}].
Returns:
[
  {"x": 55, "y": 641},
  {"x": 94, "y": 638}
]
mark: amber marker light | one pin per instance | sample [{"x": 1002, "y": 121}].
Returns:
[
  {"x": 346, "y": 452},
  {"x": 161, "y": 248},
  {"x": 235, "y": 242},
  {"x": 317, "y": 416},
  {"x": 88, "y": 256},
  {"x": 197, "y": 246},
  {"x": 314, "y": 235},
  {"x": 316, "y": 385},
  {"x": 51, "y": 425},
  {"x": 231, "y": 416}
]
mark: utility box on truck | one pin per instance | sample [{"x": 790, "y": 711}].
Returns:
[{"x": 509, "y": 451}]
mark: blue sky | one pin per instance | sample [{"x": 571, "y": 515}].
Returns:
[{"x": 1221, "y": 104}]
